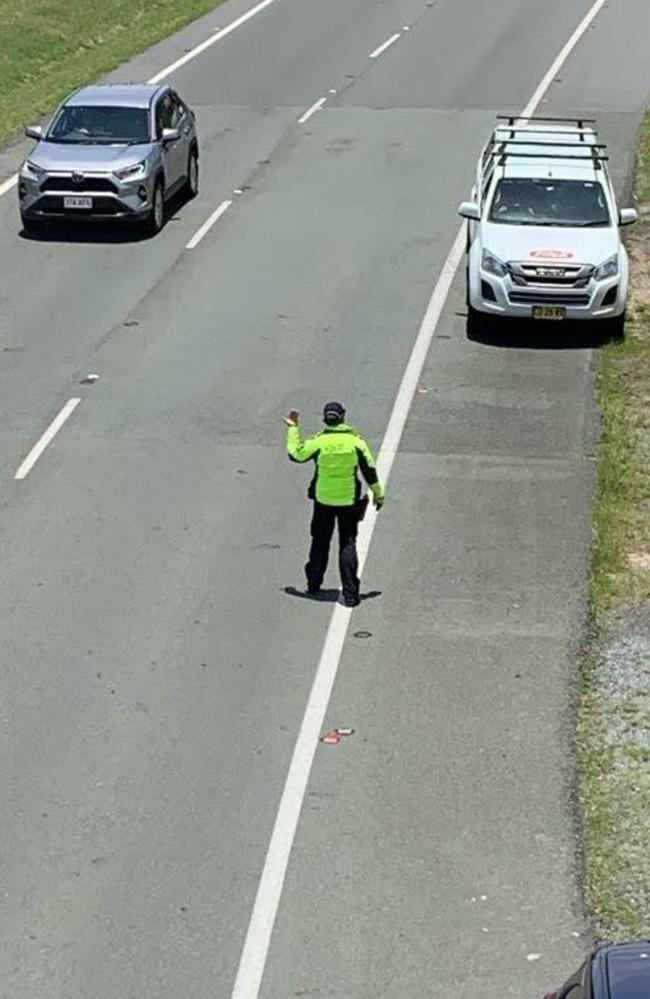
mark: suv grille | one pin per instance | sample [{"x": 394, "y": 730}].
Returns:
[
  {"x": 87, "y": 185},
  {"x": 51, "y": 204}
]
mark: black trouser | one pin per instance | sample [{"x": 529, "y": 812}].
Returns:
[{"x": 322, "y": 528}]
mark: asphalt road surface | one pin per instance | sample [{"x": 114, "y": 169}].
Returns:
[{"x": 155, "y": 670}]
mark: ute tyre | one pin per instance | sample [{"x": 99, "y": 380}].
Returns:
[
  {"x": 192, "y": 180},
  {"x": 156, "y": 218},
  {"x": 474, "y": 322},
  {"x": 616, "y": 329}
]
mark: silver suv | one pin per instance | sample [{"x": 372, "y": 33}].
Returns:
[{"x": 111, "y": 152}]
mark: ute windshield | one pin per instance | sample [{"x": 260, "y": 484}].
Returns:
[
  {"x": 547, "y": 202},
  {"x": 94, "y": 124}
]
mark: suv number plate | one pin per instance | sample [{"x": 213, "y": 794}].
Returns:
[
  {"x": 549, "y": 312},
  {"x": 77, "y": 202}
]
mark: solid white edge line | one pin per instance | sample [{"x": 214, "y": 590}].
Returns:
[
  {"x": 207, "y": 225},
  {"x": 258, "y": 936},
  {"x": 382, "y": 48},
  {"x": 7, "y": 185},
  {"x": 212, "y": 40},
  {"x": 46, "y": 438},
  {"x": 316, "y": 106}
]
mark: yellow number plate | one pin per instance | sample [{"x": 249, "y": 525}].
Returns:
[{"x": 549, "y": 312}]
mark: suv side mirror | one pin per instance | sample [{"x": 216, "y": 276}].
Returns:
[
  {"x": 34, "y": 132},
  {"x": 469, "y": 210},
  {"x": 170, "y": 135},
  {"x": 627, "y": 216}
]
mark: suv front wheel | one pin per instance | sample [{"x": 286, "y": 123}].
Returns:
[
  {"x": 192, "y": 176},
  {"x": 156, "y": 218}
]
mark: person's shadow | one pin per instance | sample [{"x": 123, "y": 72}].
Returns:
[{"x": 326, "y": 596}]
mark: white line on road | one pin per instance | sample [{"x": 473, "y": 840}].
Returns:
[
  {"x": 7, "y": 185},
  {"x": 382, "y": 48},
  {"x": 207, "y": 225},
  {"x": 316, "y": 106},
  {"x": 46, "y": 439},
  {"x": 198, "y": 49},
  {"x": 258, "y": 937}
]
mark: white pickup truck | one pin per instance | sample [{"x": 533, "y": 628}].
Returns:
[{"x": 543, "y": 227}]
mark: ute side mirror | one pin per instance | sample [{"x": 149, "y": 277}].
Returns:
[
  {"x": 469, "y": 210},
  {"x": 34, "y": 132},
  {"x": 170, "y": 135},
  {"x": 627, "y": 216}
]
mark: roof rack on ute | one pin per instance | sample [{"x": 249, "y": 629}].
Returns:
[
  {"x": 579, "y": 146},
  {"x": 503, "y": 151},
  {"x": 547, "y": 133},
  {"x": 595, "y": 158},
  {"x": 518, "y": 141},
  {"x": 517, "y": 138},
  {"x": 512, "y": 118}
]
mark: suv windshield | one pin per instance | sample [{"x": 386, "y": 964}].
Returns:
[
  {"x": 524, "y": 201},
  {"x": 92, "y": 123}
]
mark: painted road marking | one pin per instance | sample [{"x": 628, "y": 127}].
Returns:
[
  {"x": 207, "y": 225},
  {"x": 382, "y": 48},
  {"x": 212, "y": 40},
  {"x": 316, "y": 106},
  {"x": 7, "y": 185},
  {"x": 46, "y": 439},
  {"x": 265, "y": 908}
]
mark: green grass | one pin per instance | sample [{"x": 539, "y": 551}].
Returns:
[
  {"x": 621, "y": 521},
  {"x": 643, "y": 186},
  {"x": 614, "y": 715},
  {"x": 49, "y": 47}
]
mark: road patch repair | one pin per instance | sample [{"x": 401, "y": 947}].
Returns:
[{"x": 614, "y": 716}]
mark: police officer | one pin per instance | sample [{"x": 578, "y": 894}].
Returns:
[{"x": 337, "y": 451}]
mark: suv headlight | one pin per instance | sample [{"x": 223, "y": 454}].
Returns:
[
  {"x": 134, "y": 172},
  {"x": 492, "y": 264},
  {"x": 608, "y": 269},
  {"x": 33, "y": 170}
]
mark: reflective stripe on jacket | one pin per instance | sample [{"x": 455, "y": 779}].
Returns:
[{"x": 338, "y": 452}]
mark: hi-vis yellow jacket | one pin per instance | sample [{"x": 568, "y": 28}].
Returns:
[{"x": 337, "y": 452}]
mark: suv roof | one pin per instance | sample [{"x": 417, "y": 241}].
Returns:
[{"x": 135, "y": 95}]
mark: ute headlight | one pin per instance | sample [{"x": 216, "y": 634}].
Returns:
[
  {"x": 608, "y": 269},
  {"x": 33, "y": 169},
  {"x": 492, "y": 264},
  {"x": 133, "y": 172}
]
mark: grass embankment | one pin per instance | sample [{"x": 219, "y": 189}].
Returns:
[
  {"x": 49, "y": 47},
  {"x": 614, "y": 723}
]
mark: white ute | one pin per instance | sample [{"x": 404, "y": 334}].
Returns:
[{"x": 543, "y": 236}]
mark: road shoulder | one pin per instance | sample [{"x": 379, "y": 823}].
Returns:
[{"x": 614, "y": 748}]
